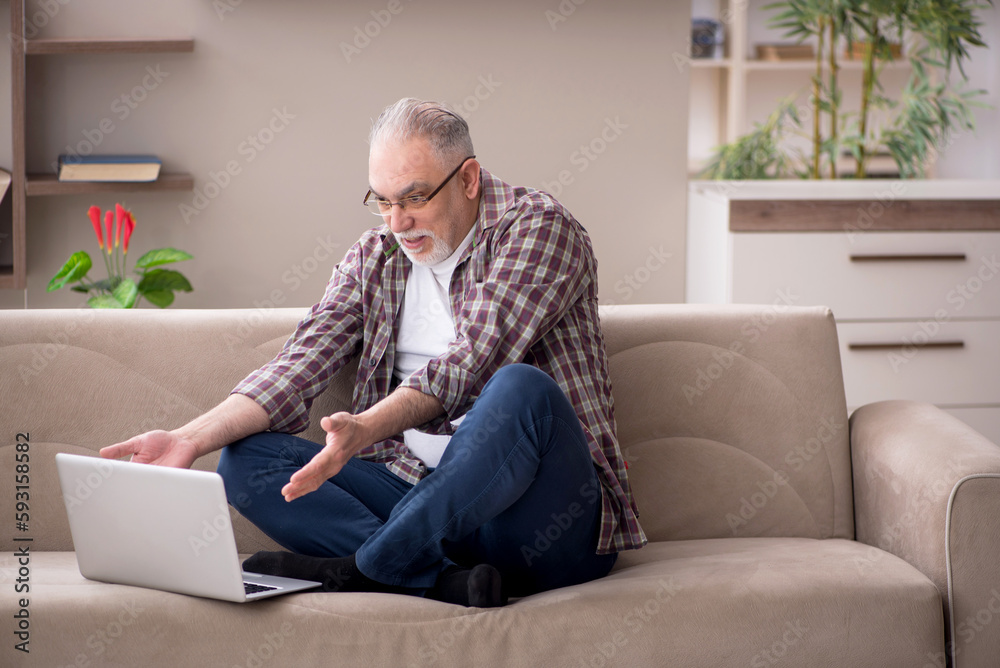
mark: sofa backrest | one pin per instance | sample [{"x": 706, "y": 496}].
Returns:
[{"x": 732, "y": 418}]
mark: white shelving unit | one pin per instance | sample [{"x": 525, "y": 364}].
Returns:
[{"x": 730, "y": 94}]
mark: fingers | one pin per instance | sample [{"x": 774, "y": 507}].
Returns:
[
  {"x": 293, "y": 491},
  {"x": 301, "y": 483},
  {"x": 304, "y": 485},
  {"x": 327, "y": 462},
  {"x": 307, "y": 479},
  {"x": 119, "y": 450}
]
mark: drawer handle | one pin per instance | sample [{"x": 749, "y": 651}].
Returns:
[
  {"x": 911, "y": 257},
  {"x": 890, "y": 346}
]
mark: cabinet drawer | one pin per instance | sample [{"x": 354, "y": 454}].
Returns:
[
  {"x": 873, "y": 275},
  {"x": 951, "y": 362}
]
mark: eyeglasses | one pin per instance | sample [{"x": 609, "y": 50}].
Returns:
[{"x": 382, "y": 207}]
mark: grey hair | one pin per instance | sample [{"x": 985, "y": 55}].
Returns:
[{"x": 447, "y": 132}]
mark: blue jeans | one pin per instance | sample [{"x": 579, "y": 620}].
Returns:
[{"x": 516, "y": 488}]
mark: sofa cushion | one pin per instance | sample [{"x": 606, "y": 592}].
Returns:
[
  {"x": 733, "y": 419},
  {"x": 713, "y": 603}
]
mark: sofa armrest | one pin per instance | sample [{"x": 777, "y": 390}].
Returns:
[{"x": 927, "y": 489}]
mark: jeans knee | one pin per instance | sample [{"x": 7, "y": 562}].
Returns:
[
  {"x": 529, "y": 383},
  {"x": 243, "y": 462},
  {"x": 524, "y": 377}
]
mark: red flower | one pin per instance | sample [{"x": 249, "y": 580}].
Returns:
[
  {"x": 119, "y": 214},
  {"x": 129, "y": 226},
  {"x": 95, "y": 218},
  {"x": 108, "y": 219}
]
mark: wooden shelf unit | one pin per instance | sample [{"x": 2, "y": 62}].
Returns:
[{"x": 24, "y": 185}]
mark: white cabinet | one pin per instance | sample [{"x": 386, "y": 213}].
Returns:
[{"x": 918, "y": 311}]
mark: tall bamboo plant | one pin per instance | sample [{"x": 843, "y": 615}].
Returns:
[
  {"x": 929, "y": 108},
  {"x": 823, "y": 20}
]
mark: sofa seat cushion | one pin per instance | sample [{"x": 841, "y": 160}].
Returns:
[
  {"x": 718, "y": 602},
  {"x": 793, "y": 601}
]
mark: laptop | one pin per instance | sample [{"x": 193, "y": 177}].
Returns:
[{"x": 158, "y": 527}]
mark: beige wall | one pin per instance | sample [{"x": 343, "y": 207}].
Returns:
[{"x": 537, "y": 81}]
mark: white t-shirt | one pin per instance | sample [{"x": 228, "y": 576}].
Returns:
[{"x": 426, "y": 329}]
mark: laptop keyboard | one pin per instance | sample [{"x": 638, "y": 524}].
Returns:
[{"x": 253, "y": 588}]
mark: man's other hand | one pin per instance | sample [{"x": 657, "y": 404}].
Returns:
[
  {"x": 163, "y": 448},
  {"x": 343, "y": 440}
]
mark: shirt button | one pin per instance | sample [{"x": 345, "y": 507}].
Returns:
[{"x": 373, "y": 363}]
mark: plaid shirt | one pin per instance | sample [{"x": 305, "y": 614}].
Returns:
[{"x": 525, "y": 290}]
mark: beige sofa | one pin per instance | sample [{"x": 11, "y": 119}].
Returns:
[{"x": 780, "y": 533}]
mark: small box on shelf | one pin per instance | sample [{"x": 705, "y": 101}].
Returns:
[
  {"x": 707, "y": 39},
  {"x": 856, "y": 50},
  {"x": 779, "y": 52}
]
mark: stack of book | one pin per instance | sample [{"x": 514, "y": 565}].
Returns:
[{"x": 125, "y": 168}]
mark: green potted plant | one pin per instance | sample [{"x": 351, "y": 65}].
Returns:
[
  {"x": 938, "y": 34},
  {"x": 152, "y": 282}
]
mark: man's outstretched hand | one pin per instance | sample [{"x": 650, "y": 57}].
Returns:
[
  {"x": 164, "y": 448},
  {"x": 344, "y": 438},
  {"x": 348, "y": 434}
]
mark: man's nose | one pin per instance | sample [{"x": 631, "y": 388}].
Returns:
[{"x": 400, "y": 219}]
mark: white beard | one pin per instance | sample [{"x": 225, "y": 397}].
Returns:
[{"x": 439, "y": 248}]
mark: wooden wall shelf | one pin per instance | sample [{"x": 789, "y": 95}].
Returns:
[
  {"x": 116, "y": 45},
  {"x": 49, "y": 184},
  {"x": 24, "y": 185}
]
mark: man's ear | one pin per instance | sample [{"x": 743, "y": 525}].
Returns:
[{"x": 470, "y": 178}]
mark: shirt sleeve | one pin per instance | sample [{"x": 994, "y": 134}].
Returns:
[
  {"x": 541, "y": 266},
  {"x": 322, "y": 343}
]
